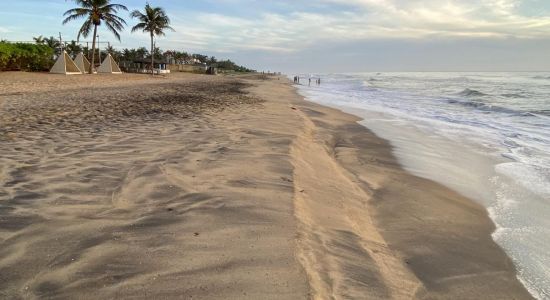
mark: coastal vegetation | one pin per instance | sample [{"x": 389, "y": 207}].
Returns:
[
  {"x": 27, "y": 57},
  {"x": 41, "y": 56},
  {"x": 228, "y": 65}
]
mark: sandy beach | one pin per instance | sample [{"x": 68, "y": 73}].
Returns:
[{"x": 221, "y": 187}]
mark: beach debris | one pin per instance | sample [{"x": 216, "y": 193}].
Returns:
[
  {"x": 287, "y": 179},
  {"x": 223, "y": 149},
  {"x": 196, "y": 234}
]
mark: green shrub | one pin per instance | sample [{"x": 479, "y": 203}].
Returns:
[
  {"x": 228, "y": 65},
  {"x": 25, "y": 57}
]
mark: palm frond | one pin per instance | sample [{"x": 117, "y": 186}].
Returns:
[
  {"x": 85, "y": 29},
  {"x": 113, "y": 30},
  {"x": 114, "y": 8},
  {"x": 115, "y": 19},
  {"x": 136, "y": 14},
  {"x": 77, "y": 11},
  {"x": 75, "y": 16},
  {"x": 139, "y": 26}
]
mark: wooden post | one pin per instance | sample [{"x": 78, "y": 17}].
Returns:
[
  {"x": 99, "y": 49},
  {"x": 61, "y": 42}
]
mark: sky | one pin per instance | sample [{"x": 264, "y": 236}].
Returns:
[{"x": 327, "y": 35}]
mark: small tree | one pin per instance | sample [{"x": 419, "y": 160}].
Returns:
[
  {"x": 141, "y": 53},
  {"x": 39, "y": 40},
  {"x": 202, "y": 58},
  {"x": 117, "y": 55},
  {"x": 54, "y": 44},
  {"x": 73, "y": 48}
]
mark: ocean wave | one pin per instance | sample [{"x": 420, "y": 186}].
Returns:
[
  {"x": 370, "y": 83},
  {"x": 541, "y": 77},
  {"x": 545, "y": 112},
  {"x": 471, "y": 93},
  {"x": 474, "y": 104},
  {"x": 495, "y": 108},
  {"x": 512, "y": 95}
]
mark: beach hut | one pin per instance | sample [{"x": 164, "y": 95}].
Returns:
[
  {"x": 109, "y": 65},
  {"x": 144, "y": 66},
  {"x": 65, "y": 65},
  {"x": 82, "y": 62}
]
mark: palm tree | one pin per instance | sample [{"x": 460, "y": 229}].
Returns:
[
  {"x": 86, "y": 51},
  {"x": 141, "y": 53},
  {"x": 114, "y": 53},
  {"x": 154, "y": 21},
  {"x": 39, "y": 40},
  {"x": 96, "y": 12},
  {"x": 158, "y": 53},
  {"x": 110, "y": 50},
  {"x": 73, "y": 48},
  {"x": 54, "y": 44}
]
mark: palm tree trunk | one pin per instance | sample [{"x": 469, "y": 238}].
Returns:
[
  {"x": 92, "y": 65},
  {"x": 152, "y": 55}
]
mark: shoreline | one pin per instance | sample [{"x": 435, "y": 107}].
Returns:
[
  {"x": 488, "y": 154},
  {"x": 441, "y": 236},
  {"x": 248, "y": 195}
]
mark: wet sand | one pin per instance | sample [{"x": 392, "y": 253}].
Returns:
[{"x": 200, "y": 187}]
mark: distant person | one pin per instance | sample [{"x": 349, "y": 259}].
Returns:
[
  {"x": 310, "y": 82},
  {"x": 319, "y": 81}
]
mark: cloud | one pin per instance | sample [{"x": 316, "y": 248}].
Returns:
[
  {"x": 356, "y": 20},
  {"x": 4, "y": 30}
]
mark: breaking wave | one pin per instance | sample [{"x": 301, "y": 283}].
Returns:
[{"x": 471, "y": 93}]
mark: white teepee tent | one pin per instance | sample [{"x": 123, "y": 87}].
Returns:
[
  {"x": 109, "y": 65},
  {"x": 82, "y": 63},
  {"x": 65, "y": 65}
]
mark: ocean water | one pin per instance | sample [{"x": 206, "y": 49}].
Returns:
[{"x": 485, "y": 135}]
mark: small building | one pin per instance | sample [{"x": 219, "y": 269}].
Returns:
[{"x": 160, "y": 66}]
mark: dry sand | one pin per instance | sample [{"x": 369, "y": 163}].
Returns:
[{"x": 220, "y": 188}]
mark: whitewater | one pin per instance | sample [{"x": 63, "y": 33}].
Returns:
[{"x": 486, "y": 135}]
